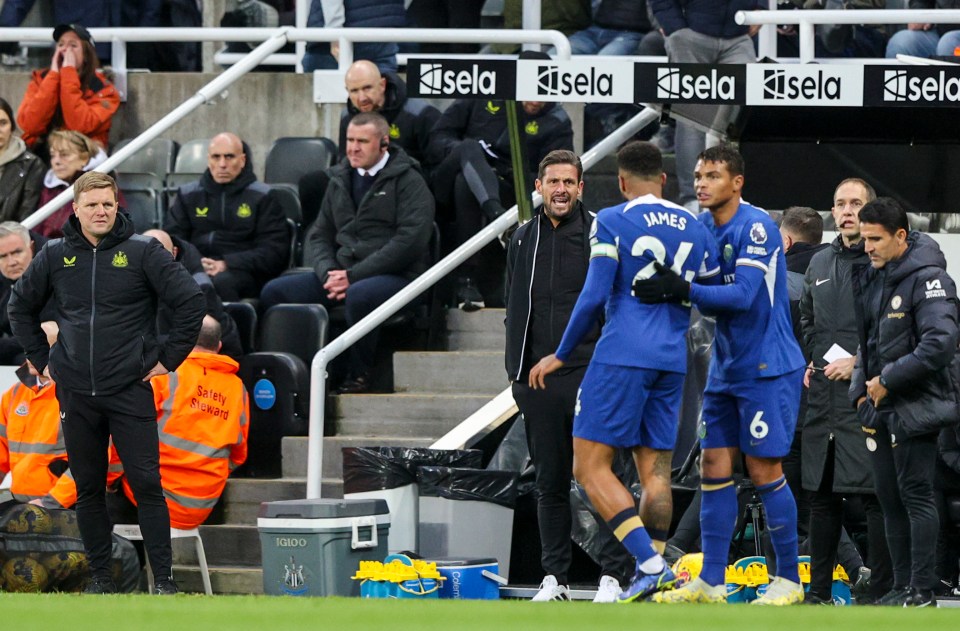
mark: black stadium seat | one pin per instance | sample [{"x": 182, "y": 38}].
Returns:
[
  {"x": 300, "y": 330},
  {"x": 279, "y": 386},
  {"x": 292, "y": 157},
  {"x": 245, "y": 316},
  {"x": 156, "y": 157}
]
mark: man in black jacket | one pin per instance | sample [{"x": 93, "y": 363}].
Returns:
[
  {"x": 370, "y": 91},
  {"x": 904, "y": 384},
  {"x": 17, "y": 248},
  {"x": 547, "y": 262},
  {"x": 234, "y": 221},
  {"x": 106, "y": 283},
  {"x": 835, "y": 466},
  {"x": 368, "y": 242}
]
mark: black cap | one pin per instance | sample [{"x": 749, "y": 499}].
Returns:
[{"x": 79, "y": 29}]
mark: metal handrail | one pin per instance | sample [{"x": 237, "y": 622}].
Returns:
[
  {"x": 808, "y": 19},
  {"x": 318, "y": 367},
  {"x": 203, "y": 95},
  {"x": 119, "y": 36}
]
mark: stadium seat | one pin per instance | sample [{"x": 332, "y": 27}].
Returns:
[
  {"x": 144, "y": 201},
  {"x": 244, "y": 315},
  {"x": 300, "y": 330},
  {"x": 174, "y": 181},
  {"x": 132, "y": 532},
  {"x": 156, "y": 157},
  {"x": 292, "y": 157},
  {"x": 286, "y": 195},
  {"x": 192, "y": 157},
  {"x": 279, "y": 388}
]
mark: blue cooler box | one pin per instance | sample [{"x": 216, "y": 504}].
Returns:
[{"x": 469, "y": 579}]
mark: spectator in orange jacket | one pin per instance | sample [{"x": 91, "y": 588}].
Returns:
[
  {"x": 31, "y": 443},
  {"x": 71, "y": 94},
  {"x": 203, "y": 419}
]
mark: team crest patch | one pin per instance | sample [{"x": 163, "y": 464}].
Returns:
[
  {"x": 758, "y": 234},
  {"x": 244, "y": 211},
  {"x": 120, "y": 260},
  {"x": 22, "y": 410},
  {"x": 727, "y": 252},
  {"x": 69, "y": 261},
  {"x": 896, "y": 302},
  {"x": 202, "y": 212},
  {"x": 532, "y": 128},
  {"x": 394, "y": 131},
  {"x": 701, "y": 430},
  {"x": 493, "y": 109}
]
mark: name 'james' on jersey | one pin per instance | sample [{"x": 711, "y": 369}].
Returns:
[{"x": 636, "y": 234}]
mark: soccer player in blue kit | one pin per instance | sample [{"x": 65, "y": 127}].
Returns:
[
  {"x": 631, "y": 393},
  {"x": 753, "y": 388}
]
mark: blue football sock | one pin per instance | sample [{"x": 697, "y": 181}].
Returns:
[
  {"x": 718, "y": 517},
  {"x": 628, "y": 528},
  {"x": 781, "y": 512}
]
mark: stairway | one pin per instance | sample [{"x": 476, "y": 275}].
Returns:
[{"x": 435, "y": 391}]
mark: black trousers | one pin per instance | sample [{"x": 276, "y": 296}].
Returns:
[
  {"x": 549, "y": 423},
  {"x": 129, "y": 417},
  {"x": 463, "y": 183},
  {"x": 903, "y": 477},
  {"x": 234, "y": 285},
  {"x": 826, "y": 530}
]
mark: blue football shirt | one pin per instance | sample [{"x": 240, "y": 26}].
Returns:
[
  {"x": 626, "y": 241},
  {"x": 754, "y": 337}
]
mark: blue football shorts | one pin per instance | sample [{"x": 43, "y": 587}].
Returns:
[
  {"x": 757, "y": 415},
  {"x": 626, "y": 406}
]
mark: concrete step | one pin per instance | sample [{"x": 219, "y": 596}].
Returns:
[
  {"x": 223, "y": 579},
  {"x": 481, "y": 330},
  {"x": 476, "y": 372},
  {"x": 231, "y": 545},
  {"x": 243, "y": 496},
  {"x": 295, "y": 454},
  {"x": 411, "y": 415}
]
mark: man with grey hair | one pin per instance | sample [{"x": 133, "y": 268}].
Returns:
[{"x": 17, "y": 247}]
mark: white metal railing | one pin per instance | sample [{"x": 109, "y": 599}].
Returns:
[
  {"x": 318, "y": 368},
  {"x": 808, "y": 19},
  {"x": 119, "y": 37}
]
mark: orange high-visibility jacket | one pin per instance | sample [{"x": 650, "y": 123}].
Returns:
[
  {"x": 88, "y": 111},
  {"x": 202, "y": 420},
  {"x": 30, "y": 441}
]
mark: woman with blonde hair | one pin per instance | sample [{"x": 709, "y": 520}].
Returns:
[{"x": 71, "y": 155}]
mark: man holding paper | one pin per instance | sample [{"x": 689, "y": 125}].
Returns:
[{"x": 835, "y": 463}]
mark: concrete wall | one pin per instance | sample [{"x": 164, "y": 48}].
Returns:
[{"x": 259, "y": 107}]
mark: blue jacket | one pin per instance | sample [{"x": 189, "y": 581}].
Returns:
[{"x": 708, "y": 17}]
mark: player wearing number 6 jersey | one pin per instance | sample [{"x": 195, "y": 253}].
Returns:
[
  {"x": 631, "y": 393},
  {"x": 753, "y": 387}
]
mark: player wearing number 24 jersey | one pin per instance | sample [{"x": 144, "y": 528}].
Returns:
[{"x": 629, "y": 239}]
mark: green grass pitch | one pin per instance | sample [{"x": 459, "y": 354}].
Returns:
[{"x": 73, "y": 612}]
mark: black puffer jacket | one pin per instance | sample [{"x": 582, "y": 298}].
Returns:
[
  {"x": 410, "y": 119},
  {"x": 470, "y": 120},
  {"x": 106, "y": 305},
  {"x": 907, "y": 311},
  {"x": 827, "y": 317},
  {"x": 239, "y": 222},
  {"x": 388, "y": 233}
]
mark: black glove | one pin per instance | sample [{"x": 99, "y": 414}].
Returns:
[{"x": 666, "y": 286}]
